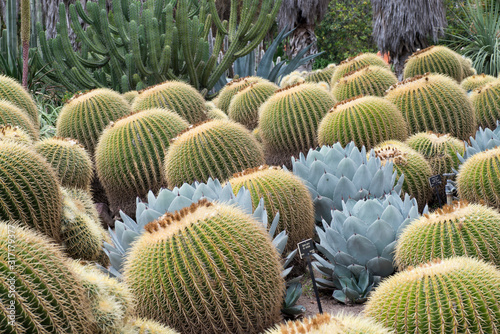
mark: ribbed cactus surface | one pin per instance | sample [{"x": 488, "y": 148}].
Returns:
[
  {"x": 434, "y": 102},
  {"x": 29, "y": 190},
  {"x": 12, "y": 115},
  {"x": 467, "y": 66},
  {"x": 283, "y": 192},
  {"x": 135, "y": 146},
  {"x": 324, "y": 74},
  {"x": 458, "y": 295},
  {"x": 215, "y": 149},
  {"x": 365, "y": 120},
  {"x": 209, "y": 268},
  {"x": 85, "y": 116},
  {"x": 434, "y": 59},
  {"x": 486, "y": 102},
  {"x": 213, "y": 112},
  {"x": 292, "y": 79},
  {"x": 229, "y": 90},
  {"x": 39, "y": 289},
  {"x": 130, "y": 96},
  {"x": 367, "y": 80},
  {"x": 354, "y": 63},
  {"x": 143, "y": 326},
  {"x": 476, "y": 81},
  {"x": 15, "y": 134},
  {"x": 176, "y": 96},
  {"x": 12, "y": 91},
  {"x": 244, "y": 106}
]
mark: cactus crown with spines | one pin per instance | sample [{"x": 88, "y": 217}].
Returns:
[
  {"x": 353, "y": 63},
  {"x": 324, "y": 74},
  {"x": 12, "y": 91},
  {"x": 435, "y": 59},
  {"x": 231, "y": 89},
  {"x": 10, "y": 114},
  {"x": 15, "y": 134},
  {"x": 143, "y": 326},
  {"x": 486, "y": 102},
  {"x": 476, "y": 81}
]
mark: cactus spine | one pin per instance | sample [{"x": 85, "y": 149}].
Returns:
[
  {"x": 323, "y": 75},
  {"x": 15, "y": 134},
  {"x": 476, "y": 81},
  {"x": 12, "y": 115},
  {"x": 355, "y": 63},
  {"x": 486, "y": 102},
  {"x": 13, "y": 92},
  {"x": 434, "y": 59},
  {"x": 231, "y": 89},
  {"x": 142, "y": 326}
]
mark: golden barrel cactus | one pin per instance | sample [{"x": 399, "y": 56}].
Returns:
[{"x": 486, "y": 102}]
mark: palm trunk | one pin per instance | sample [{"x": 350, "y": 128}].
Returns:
[{"x": 302, "y": 37}]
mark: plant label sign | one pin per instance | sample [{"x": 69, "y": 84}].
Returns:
[
  {"x": 306, "y": 248},
  {"x": 435, "y": 180}
]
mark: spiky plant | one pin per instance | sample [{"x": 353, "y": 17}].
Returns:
[
  {"x": 244, "y": 106},
  {"x": 215, "y": 237},
  {"x": 215, "y": 113},
  {"x": 291, "y": 79},
  {"x": 86, "y": 115},
  {"x": 486, "y": 102},
  {"x": 40, "y": 293},
  {"x": 69, "y": 159},
  {"x": 176, "y": 96},
  {"x": 365, "y": 120},
  {"x": 229, "y": 90},
  {"x": 256, "y": 134},
  {"x": 15, "y": 134},
  {"x": 12, "y": 91},
  {"x": 215, "y": 149},
  {"x": 434, "y": 102},
  {"x": 29, "y": 190},
  {"x": 135, "y": 146},
  {"x": 355, "y": 63},
  {"x": 457, "y": 295},
  {"x": 12, "y": 115},
  {"x": 324, "y": 74},
  {"x": 367, "y": 80},
  {"x": 434, "y": 59},
  {"x": 283, "y": 192},
  {"x": 484, "y": 140},
  {"x": 130, "y": 96},
  {"x": 143, "y": 326},
  {"x": 476, "y": 81},
  {"x": 467, "y": 66}
]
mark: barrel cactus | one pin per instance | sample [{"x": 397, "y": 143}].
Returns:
[
  {"x": 130, "y": 96},
  {"x": 231, "y": 89},
  {"x": 247, "y": 298},
  {"x": 324, "y": 74},
  {"x": 457, "y": 295},
  {"x": 355, "y": 63},
  {"x": 476, "y": 81},
  {"x": 215, "y": 149},
  {"x": 15, "y": 134},
  {"x": 29, "y": 190},
  {"x": 467, "y": 66},
  {"x": 40, "y": 294},
  {"x": 86, "y": 115},
  {"x": 176, "y": 96},
  {"x": 434, "y": 102},
  {"x": 215, "y": 113},
  {"x": 434, "y": 59},
  {"x": 486, "y": 102},
  {"x": 135, "y": 146},
  {"x": 143, "y": 326},
  {"x": 12, "y": 91},
  {"x": 367, "y": 80},
  {"x": 14, "y": 116},
  {"x": 244, "y": 106},
  {"x": 70, "y": 161},
  {"x": 365, "y": 120},
  {"x": 292, "y": 79}
]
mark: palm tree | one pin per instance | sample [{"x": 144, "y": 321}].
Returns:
[{"x": 401, "y": 27}]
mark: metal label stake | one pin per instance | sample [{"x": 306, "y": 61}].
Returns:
[{"x": 306, "y": 248}]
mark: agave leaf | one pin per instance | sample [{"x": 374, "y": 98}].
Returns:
[
  {"x": 380, "y": 266},
  {"x": 327, "y": 184},
  {"x": 335, "y": 240},
  {"x": 140, "y": 207},
  {"x": 203, "y": 191},
  {"x": 147, "y": 217},
  {"x": 354, "y": 225},
  {"x": 274, "y": 224},
  {"x": 338, "y": 221},
  {"x": 388, "y": 252},
  {"x": 164, "y": 199},
  {"x": 343, "y": 274},
  {"x": 340, "y": 296},
  {"x": 322, "y": 208},
  {"x": 280, "y": 242},
  {"x": 345, "y": 259},
  {"x": 324, "y": 283},
  {"x": 362, "y": 177},
  {"x": 352, "y": 294},
  {"x": 356, "y": 270},
  {"x": 347, "y": 167},
  {"x": 129, "y": 222},
  {"x": 361, "y": 248},
  {"x": 368, "y": 211},
  {"x": 116, "y": 261},
  {"x": 226, "y": 193},
  {"x": 381, "y": 234},
  {"x": 345, "y": 189},
  {"x": 377, "y": 184},
  {"x": 312, "y": 156},
  {"x": 356, "y": 156},
  {"x": 399, "y": 185},
  {"x": 316, "y": 171},
  {"x": 178, "y": 203},
  {"x": 327, "y": 252},
  {"x": 128, "y": 238},
  {"x": 333, "y": 158},
  {"x": 364, "y": 280},
  {"x": 289, "y": 258},
  {"x": 151, "y": 199},
  {"x": 392, "y": 216}
]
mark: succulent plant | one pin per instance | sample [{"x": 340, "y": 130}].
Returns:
[
  {"x": 15, "y": 134},
  {"x": 215, "y": 149},
  {"x": 367, "y": 80},
  {"x": 215, "y": 113},
  {"x": 434, "y": 59},
  {"x": 29, "y": 190},
  {"x": 333, "y": 174},
  {"x": 457, "y": 295},
  {"x": 324, "y": 74},
  {"x": 130, "y": 96},
  {"x": 476, "y": 81},
  {"x": 434, "y": 102},
  {"x": 40, "y": 293},
  {"x": 484, "y": 140},
  {"x": 359, "y": 243},
  {"x": 292, "y": 79},
  {"x": 70, "y": 161},
  {"x": 176, "y": 96},
  {"x": 143, "y": 326},
  {"x": 486, "y": 102},
  {"x": 231, "y": 89},
  {"x": 245, "y": 298},
  {"x": 467, "y": 66},
  {"x": 14, "y": 116},
  {"x": 135, "y": 146},
  {"x": 365, "y": 120},
  {"x": 86, "y": 115},
  {"x": 355, "y": 63},
  {"x": 244, "y": 106},
  {"x": 12, "y": 91}
]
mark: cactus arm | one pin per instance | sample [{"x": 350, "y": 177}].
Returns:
[
  {"x": 11, "y": 25},
  {"x": 233, "y": 17},
  {"x": 152, "y": 40},
  {"x": 165, "y": 60},
  {"x": 107, "y": 38},
  {"x": 121, "y": 24},
  {"x": 136, "y": 51},
  {"x": 208, "y": 24},
  {"x": 47, "y": 55},
  {"x": 77, "y": 28},
  {"x": 216, "y": 18},
  {"x": 183, "y": 27},
  {"x": 175, "y": 48},
  {"x": 82, "y": 14}
]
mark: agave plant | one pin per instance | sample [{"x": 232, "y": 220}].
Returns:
[
  {"x": 359, "y": 243},
  {"x": 485, "y": 139}
]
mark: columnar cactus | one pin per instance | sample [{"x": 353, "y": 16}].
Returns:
[
  {"x": 231, "y": 89},
  {"x": 86, "y": 115},
  {"x": 354, "y": 63},
  {"x": 135, "y": 146},
  {"x": 458, "y": 295},
  {"x": 70, "y": 161},
  {"x": 215, "y": 149},
  {"x": 324, "y": 74},
  {"x": 12, "y": 115},
  {"x": 476, "y": 81},
  {"x": 176, "y": 96},
  {"x": 40, "y": 294},
  {"x": 434, "y": 102},
  {"x": 29, "y": 190},
  {"x": 15, "y": 134},
  {"x": 365, "y": 120},
  {"x": 12, "y": 91},
  {"x": 434, "y": 59},
  {"x": 367, "y": 80},
  {"x": 486, "y": 102},
  {"x": 231, "y": 281}
]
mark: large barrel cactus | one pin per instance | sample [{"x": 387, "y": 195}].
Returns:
[
  {"x": 458, "y": 295},
  {"x": 231, "y": 89},
  {"x": 365, "y": 120},
  {"x": 135, "y": 146},
  {"x": 12, "y": 115},
  {"x": 215, "y": 149},
  {"x": 215, "y": 262},
  {"x": 476, "y": 81},
  {"x": 367, "y": 80},
  {"x": 176, "y": 96},
  {"x": 321, "y": 75},
  {"x": 434, "y": 59},
  {"x": 12, "y": 91},
  {"x": 355, "y": 63},
  {"x": 486, "y": 102},
  {"x": 29, "y": 190},
  {"x": 434, "y": 102},
  {"x": 86, "y": 115},
  {"x": 15, "y": 134},
  {"x": 40, "y": 293}
]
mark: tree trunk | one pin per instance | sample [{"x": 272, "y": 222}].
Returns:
[
  {"x": 302, "y": 37},
  {"x": 399, "y": 62}
]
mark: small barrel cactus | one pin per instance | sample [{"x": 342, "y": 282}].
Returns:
[
  {"x": 467, "y": 66},
  {"x": 457, "y": 295},
  {"x": 130, "y": 96},
  {"x": 355, "y": 63},
  {"x": 321, "y": 75},
  {"x": 135, "y": 146},
  {"x": 476, "y": 81},
  {"x": 14, "y": 116},
  {"x": 434, "y": 102},
  {"x": 367, "y": 80},
  {"x": 86, "y": 115},
  {"x": 215, "y": 149},
  {"x": 29, "y": 190},
  {"x": 486, "y": 102},
  {"x": 232, "y": 278},
  {"x": 434, "y": 59},
  {"x": 15, "y": 134},
  {"x": 215, "y": 113},
  {"x": 283, "y": 192},
  {"x": 244, "y": 106},
  {"x": 143, "y": 326},
  {"x": 12, "y": 91},
  {"x": 69, "y": 159},
  {"x": 40, "y": 292},
  {"x": 291, "y": 79},
  {"x": 231, "y": 89},
  {"x": 176, "y": 96},
  {"x": 365, "y": 120}
]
